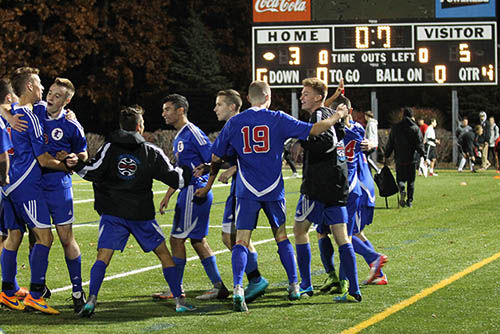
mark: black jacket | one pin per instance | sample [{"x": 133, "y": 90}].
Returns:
[
  {"x": 324, "y": 174},
  {"x": 405, "y": 139},
  {"x": 122, "y": 173},
  {"x": 468, "y": 141}
]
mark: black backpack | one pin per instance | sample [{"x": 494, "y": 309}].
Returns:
[{"x": 386, "y": 184}]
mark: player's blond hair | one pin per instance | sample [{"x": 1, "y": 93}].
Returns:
[
  {"x": 231, "y": 97},
  {"x": 317, "y": 85},
  {"x": 257, "y": 92},
  {"x": 20, "y": 78},
  {"x": 66, "y": 83}
]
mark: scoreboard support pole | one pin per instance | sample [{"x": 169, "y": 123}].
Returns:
[
  {"x": 454, "y": 122},
  {"x": 295, "y": 104},
  {"x": 374, "y": 103}
]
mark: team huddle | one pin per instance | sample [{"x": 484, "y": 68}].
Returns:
[{"x": 42, "y": 143}]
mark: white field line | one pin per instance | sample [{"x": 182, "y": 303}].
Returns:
[
  {"x": 158, "y": 266},
  {"x": 163, "y": 191}
]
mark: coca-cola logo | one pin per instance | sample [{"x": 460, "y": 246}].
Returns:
[
  {"x": 262, "y": 6},
  {"x": 281, "y": 10}
]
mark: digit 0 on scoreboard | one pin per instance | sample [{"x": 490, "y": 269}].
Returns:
[{"x": 377, "y": 55}]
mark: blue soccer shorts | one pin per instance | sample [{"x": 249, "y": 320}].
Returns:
[
  {"x": 33, "y": 213},
  {"x": 364, "y": 218},
  {"x": 60, "y": 203},
  {"x": 247, "y": 213},
  {"x": 317, "y": 213},
  {"x": 115, "y": 231},
  {"x": 191, "y": 216},
  {"x": 229, "y": 219}
]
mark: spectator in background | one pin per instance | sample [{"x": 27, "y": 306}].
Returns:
[
  {"x": 430, "y": 142},
  {"x": 372, "y": 136},
  {"x": 422, "y": 167},
  {"x": 405, "y": 138},
  {"x": 463, "y": 127},
  {"x": 287, "y": 155},
  {"x": 484, "y": 140},
  {"x": 468, "y": 142},
  {"x": 422, "y": 126},
  {"x": 494, "y": 134}
]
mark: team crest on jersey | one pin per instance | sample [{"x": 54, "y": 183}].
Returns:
[
  {"x": 180, "y": 146},
  {"x": 57, "y": 134},
  {"x": 340, "y": 151},
  {"x": 127, "y": 166}
]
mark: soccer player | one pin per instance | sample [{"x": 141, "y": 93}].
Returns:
[
  {"x": 323, "y": 196},
  {"x": 228, "y": 104},
  {"x": 63, "y": 135},
  {"x": 191, "y": 148},
  {"x": 257, "y": 136},
  {"x": 24, "y": 202},
  {"x": 430, "y": 142},
  {"x": 122, "y": 173}
]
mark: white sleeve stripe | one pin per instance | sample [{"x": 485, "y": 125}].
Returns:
[
  {"x": 97, "y": 163},
  {"x": 78, "y": 126},
  {"x": 36, "y": 123},
  {"x": 196, "y": 132},
  {"x": 162, "y": 154}
]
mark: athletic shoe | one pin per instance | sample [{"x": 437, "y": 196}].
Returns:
[
  {"x": 167, "y": 294},
  {"x": 255, "y": 290},
  {"x": 409, "y": 204},
  {"x": 294, "y": 291},
  {"x": 215, "y": 293},
  {"x": 402, "y": 199},
  {"x": 89, "y": 308},
  {"x": 341, "y": 288},
  {"x": 46, "y": 292},
  {"x": 79, "y": 300},
  {"x": 239, "y": 304},
  {"x": 21, "y": 293},
  {"x": 11, "y": 302},
  {"x": 181, "y": 306},
  {"x": 331, "y": 281},
  {"x": 381, "y": 280},
  {"x": 349, "y": 298},
  {"x": 39, "y": 304},
  {"x": 433, "y": 174},
  {"x": 375, "y": 268},
  {"x": 305, "y": 293},
  {"x": 295, "y": 175}
]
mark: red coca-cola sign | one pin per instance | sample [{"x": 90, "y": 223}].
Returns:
[{"x": 281, "y": 10}]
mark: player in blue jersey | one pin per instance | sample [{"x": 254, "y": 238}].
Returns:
[
  {"x": 360, "y": 242},
  {"x": 24, "y": 202},
  {"x": 323, "y": 196},
  {"x": 191, "y": 148},
  {"x": 63, "y": 135},
  {"x": 228, "y": 104},
  {"x": 257, "y": 136}
]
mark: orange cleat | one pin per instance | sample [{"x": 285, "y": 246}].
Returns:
[
  {"x": 39, "y": 304},
  {"x": 11, "y": 302}
]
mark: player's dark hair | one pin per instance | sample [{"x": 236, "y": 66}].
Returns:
[
  {"x": 407, "y": 112},
  {"x": 5, "y": 89},
  {"x": 20, "y": 77},
  {"x": 178, "y": 101},
  {"x": 231, "y": 97},
  {"x": 130, "y": 117},
  {"x": 339, "y": 100}
]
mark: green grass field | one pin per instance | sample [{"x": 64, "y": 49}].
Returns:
[{"x": 450, "y": 228}]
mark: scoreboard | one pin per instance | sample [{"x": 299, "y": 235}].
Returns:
[{"x": 377, "y": 54}]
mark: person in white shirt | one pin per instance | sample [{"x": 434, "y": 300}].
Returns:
[{"x": 430, "y": 142}]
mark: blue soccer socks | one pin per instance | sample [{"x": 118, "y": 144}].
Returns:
[
  {"x": 8, "y": 261},
  {"x": 361, "y": 248},
  {"x": 180, "y": 264},
  {"x": 326, "y": 253},
  {"x": 287, "y": 257},
  {"x": 172, "y": 277},
  {"x": 75, "y": 272},
  {"x": 39, "y": 261},
  {"x": 348, "y": 263},
  {"x": 211, "y": 269},
  {"x": 96, "y": 277},
  {"x": 304, "y": 262},
  {"x": 239, "y": 258}
]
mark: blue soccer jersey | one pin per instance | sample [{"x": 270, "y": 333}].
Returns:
[
  {"x": 257, "y": 136},
  {"x": 366, "y": 182},
  {"x": 354, "y": 134},
  {"x": 25, "y": 172},
  {"x": 60, "y": 134},
  {"x": 5, "y": 143},
  {"x": 192, "y": 148}
]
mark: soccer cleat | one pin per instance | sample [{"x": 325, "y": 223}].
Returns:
[
  {"x": 295, "y": 175},
  {"x": 331, "y": 281},
  {"x": 255, "y": 290},
  {"x": 79, "y": 300},
  {"x": 294, "y": 291},
  {"x": 39, "y": 305},
  {"x": 433, "y": 174},
  {"x": 11, "y": 302},
  {"x": 402, "y": 199},
  {"x": 349, "y": 298},
  {"x": 375, "y": 268},
  {"x": 381, "y": 280},
  {"x": 181, "y": 306},
  {"x": 21, "y": 293},
  {"x": 341, "y": 288},
  {"x": 89, "y": 307},
  {"x": 306, "y": 293},
  {"x": 46, "y": 292},
  {"x": 215, "y": 293},
  {"x": 239, "y": 304}
]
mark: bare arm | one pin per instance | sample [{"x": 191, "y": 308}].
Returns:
[
  {"x": 166, "y": 199},
  {"x": 15, "y": 121},
  {"x": 4, "y": 169},
  {"x": 338, "y": 91},
  {"x": 48, "y": 161},
  {"x": 215, "y": 166},
  {"x": 224, "y": 177}
]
